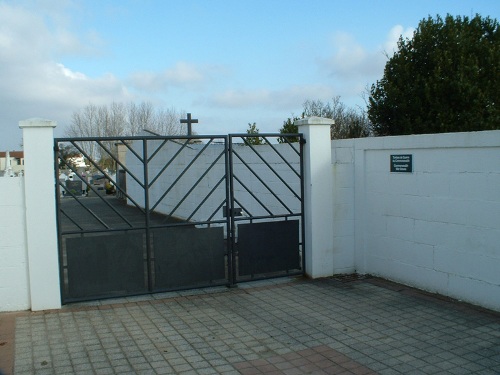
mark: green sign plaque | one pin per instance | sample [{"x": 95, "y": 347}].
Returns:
[{"x": 402, "y": 163}]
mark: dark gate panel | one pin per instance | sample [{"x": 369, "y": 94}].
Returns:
[
  {"x": 268, "y": 248},
  {"x": 105, "y": 265},
  {"x": 189, "y": 257}
]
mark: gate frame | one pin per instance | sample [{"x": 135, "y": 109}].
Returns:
[{"x": 230, "y": 214}]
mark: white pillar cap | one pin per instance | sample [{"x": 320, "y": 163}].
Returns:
[
  {"x": 314, "y": 121},
  {"x": 37, "y": 123}
]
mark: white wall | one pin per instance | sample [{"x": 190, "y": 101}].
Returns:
[
  {"x": 343, "y": 206},
  {"x": 14, "y": 283},
  {"x": 437, "y": 228}
]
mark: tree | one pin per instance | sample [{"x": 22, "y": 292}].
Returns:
[
  {"x": 445, "y": 79},
  {"x": 119, "y": 119},
  {"x": 349, "y": 122},
  {"x": 289, "y": 128},
  {"x": 66, "y": 153},
  {"x": 252, "y": 130}
]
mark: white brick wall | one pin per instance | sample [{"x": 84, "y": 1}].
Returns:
[
  {"x": 437, "y": 228},
  {"x": 343, "y": 207},
  {"x": 14, "y": 285}
]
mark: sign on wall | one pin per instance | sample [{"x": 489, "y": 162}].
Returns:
[{"x": 402, "y": 163}]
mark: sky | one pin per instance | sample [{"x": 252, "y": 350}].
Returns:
[{"x": 228, "y": 62}]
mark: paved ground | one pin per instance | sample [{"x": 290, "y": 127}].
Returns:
[{"x": 285, "y": 326}]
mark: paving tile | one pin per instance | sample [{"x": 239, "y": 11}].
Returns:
[{"x": 286, "y": 327}]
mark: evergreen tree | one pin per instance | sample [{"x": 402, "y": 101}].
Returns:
[
  {"x": 252, "y": 130},
  {"x": 445, "y": 79}
]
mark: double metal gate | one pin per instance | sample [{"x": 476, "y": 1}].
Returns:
[{"x": 149, "y": 214}]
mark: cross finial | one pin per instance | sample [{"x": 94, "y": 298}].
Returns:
[{"x": 189, "y": 121}]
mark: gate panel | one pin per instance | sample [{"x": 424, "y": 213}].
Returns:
[
  {"x": 141, "y": 215},
  {"x": 187, "y": 257},
  {"x": 105, "y": 265},
  {"x": 266, "y": 205},
  {"x": 268, "y": 247}
]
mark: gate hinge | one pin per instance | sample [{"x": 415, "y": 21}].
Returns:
[{"x": 303, "y": 141}]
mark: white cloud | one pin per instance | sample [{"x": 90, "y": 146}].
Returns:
[
  {"x": 352, "y": 67},
  {"x": 182, "y": 74},
  {"x": 351, "y": 61},
  {"x": 33, "y": 83},
  {"x": 289, "y": 98},
  {"x": 391, "y": 44}
]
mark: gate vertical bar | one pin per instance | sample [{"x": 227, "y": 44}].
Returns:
[
  {"x": 302, "y": 141},
  {"x": 231, "y": 230},
  {"x": 146, "y": 212},
  {"x": 58, "y": 220}
]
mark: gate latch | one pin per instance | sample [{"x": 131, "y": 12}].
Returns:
[{"x": 236, "y": 211}]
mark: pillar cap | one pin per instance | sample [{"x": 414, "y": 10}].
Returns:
[
  {"x": 314, "y": 121},
  {"x": 37, "y": 122}
]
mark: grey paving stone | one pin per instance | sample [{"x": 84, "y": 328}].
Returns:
[{"x": 380, "y": 328}]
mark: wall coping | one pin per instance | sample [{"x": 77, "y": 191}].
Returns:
[{"x": 37, "y": 122}]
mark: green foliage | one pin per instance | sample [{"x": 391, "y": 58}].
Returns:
[
  {"x": 289, "y": 128},
  {"x": 65, "y": 154},
  {"x": 445, "y": 79},
  {"x": 349, "y": 122},
  {"x": 252, "y": 130},
  {"x": 107, "y": 163}
]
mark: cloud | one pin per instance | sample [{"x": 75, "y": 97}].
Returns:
[
  {"x": 351, "y": 61},
  {"x": 33, "y": 83},
  {"x": 290, "y": 98},
  {"x": 391, "y": 44},
  {"x": 182, "y": 74}
]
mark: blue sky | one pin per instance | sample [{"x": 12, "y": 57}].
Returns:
[{"x": 229, "y": 63}]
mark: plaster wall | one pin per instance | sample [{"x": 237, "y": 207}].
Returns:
[
  {"x": 437, "y": 228},
  {"x": 14, "y": 283}
]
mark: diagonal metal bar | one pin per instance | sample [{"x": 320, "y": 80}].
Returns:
[
  {"x": 116, "y": 160},
  {"x": 206, "y": 198},
  {"x": 243, "y": 207},
  {"x": 292, "y": 135},
  {"x": 182, "y": 174},
  {"x": 97, "y": 165},
  {"x": 131, "y": 149},
  {"x": 102, "y": 199},
  {"x": 194, "y": 186},
  {"x": 123, "y": 166},
  {"x": 252, "y": 194},
  {"x": 100, "y": 169},
  {"x": 69, "y": 218},
  {"x": 216, "y": 210},
  {"x": 168, "y": 164},
  {"x": 270, "y": 167},
  {"x": 282, "y": 157},
  {"x": 85, "y": 207},
  {"x": 265, "y": 185},
  {"x": 157, "y": 150}
]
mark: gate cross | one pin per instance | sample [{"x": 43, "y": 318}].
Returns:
[{"x": 189, "y": 121}]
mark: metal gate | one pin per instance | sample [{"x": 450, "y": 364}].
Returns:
[{"x": 149, "y": 214}]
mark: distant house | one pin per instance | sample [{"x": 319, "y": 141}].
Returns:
[{"x": 16, "y": 161}]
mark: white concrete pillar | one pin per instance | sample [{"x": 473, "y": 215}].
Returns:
[
  {"x": 318, "y": 199},
  {"x": 41, "y": 224}
]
